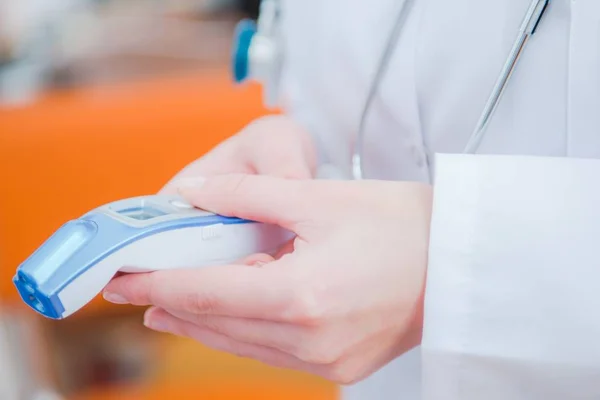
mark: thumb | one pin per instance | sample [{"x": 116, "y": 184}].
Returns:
[{"x": 260, "y": 198}]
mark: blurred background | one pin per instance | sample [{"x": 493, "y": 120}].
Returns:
[{"x": 102, "y": 100}]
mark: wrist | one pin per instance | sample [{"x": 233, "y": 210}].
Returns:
[
  {"x": 417, "y": 323},
  {"x": 415, "y": 334}
]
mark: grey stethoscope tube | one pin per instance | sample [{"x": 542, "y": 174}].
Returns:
[{"x": 528, "y": 28}]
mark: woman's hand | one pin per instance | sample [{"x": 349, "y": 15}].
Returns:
[
  {"x": 347, "y": 300},
  {"x": 273, "y": 145}
]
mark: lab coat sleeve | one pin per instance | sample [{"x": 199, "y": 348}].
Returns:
[
  {"x": 512, "y": 304},
  {"x": 293, "y": 99},
  {"x": 295, "y": 106}
]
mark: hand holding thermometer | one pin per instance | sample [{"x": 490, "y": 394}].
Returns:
[{"x": 134, "y": 235}]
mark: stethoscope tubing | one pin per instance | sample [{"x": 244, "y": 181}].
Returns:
[{"x": 528, "y": 28}]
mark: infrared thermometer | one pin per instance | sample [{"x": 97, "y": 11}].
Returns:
[{"x": 135, "y": 235}]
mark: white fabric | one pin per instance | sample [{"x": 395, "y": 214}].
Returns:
[
  {"x": 513, "y": 290},
  {"x": 525, "y": 323}
]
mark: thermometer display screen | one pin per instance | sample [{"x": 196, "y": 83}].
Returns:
[{"x": 142, "y": 213}]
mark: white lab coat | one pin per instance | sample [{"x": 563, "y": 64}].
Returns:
[{"x": 513, "y": 287}]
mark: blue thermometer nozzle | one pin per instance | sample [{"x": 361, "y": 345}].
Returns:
[{"x": 136, "y": 235}]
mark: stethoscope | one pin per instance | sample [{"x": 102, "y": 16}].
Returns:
[{"x": 258, "y": 55}]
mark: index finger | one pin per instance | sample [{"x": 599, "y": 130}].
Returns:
[
  {"x": 233, "y": 290},
  {"x": 284, "y": 202}
]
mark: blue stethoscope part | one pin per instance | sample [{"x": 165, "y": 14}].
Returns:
[{"x": 244, "y": 33}]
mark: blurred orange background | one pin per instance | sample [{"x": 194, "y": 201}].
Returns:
[{"x": 72, "y": 150}]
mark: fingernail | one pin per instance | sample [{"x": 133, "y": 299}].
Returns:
[
  {"x": 155, "y": 324},
  {"x": 114, "y": 298}
]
